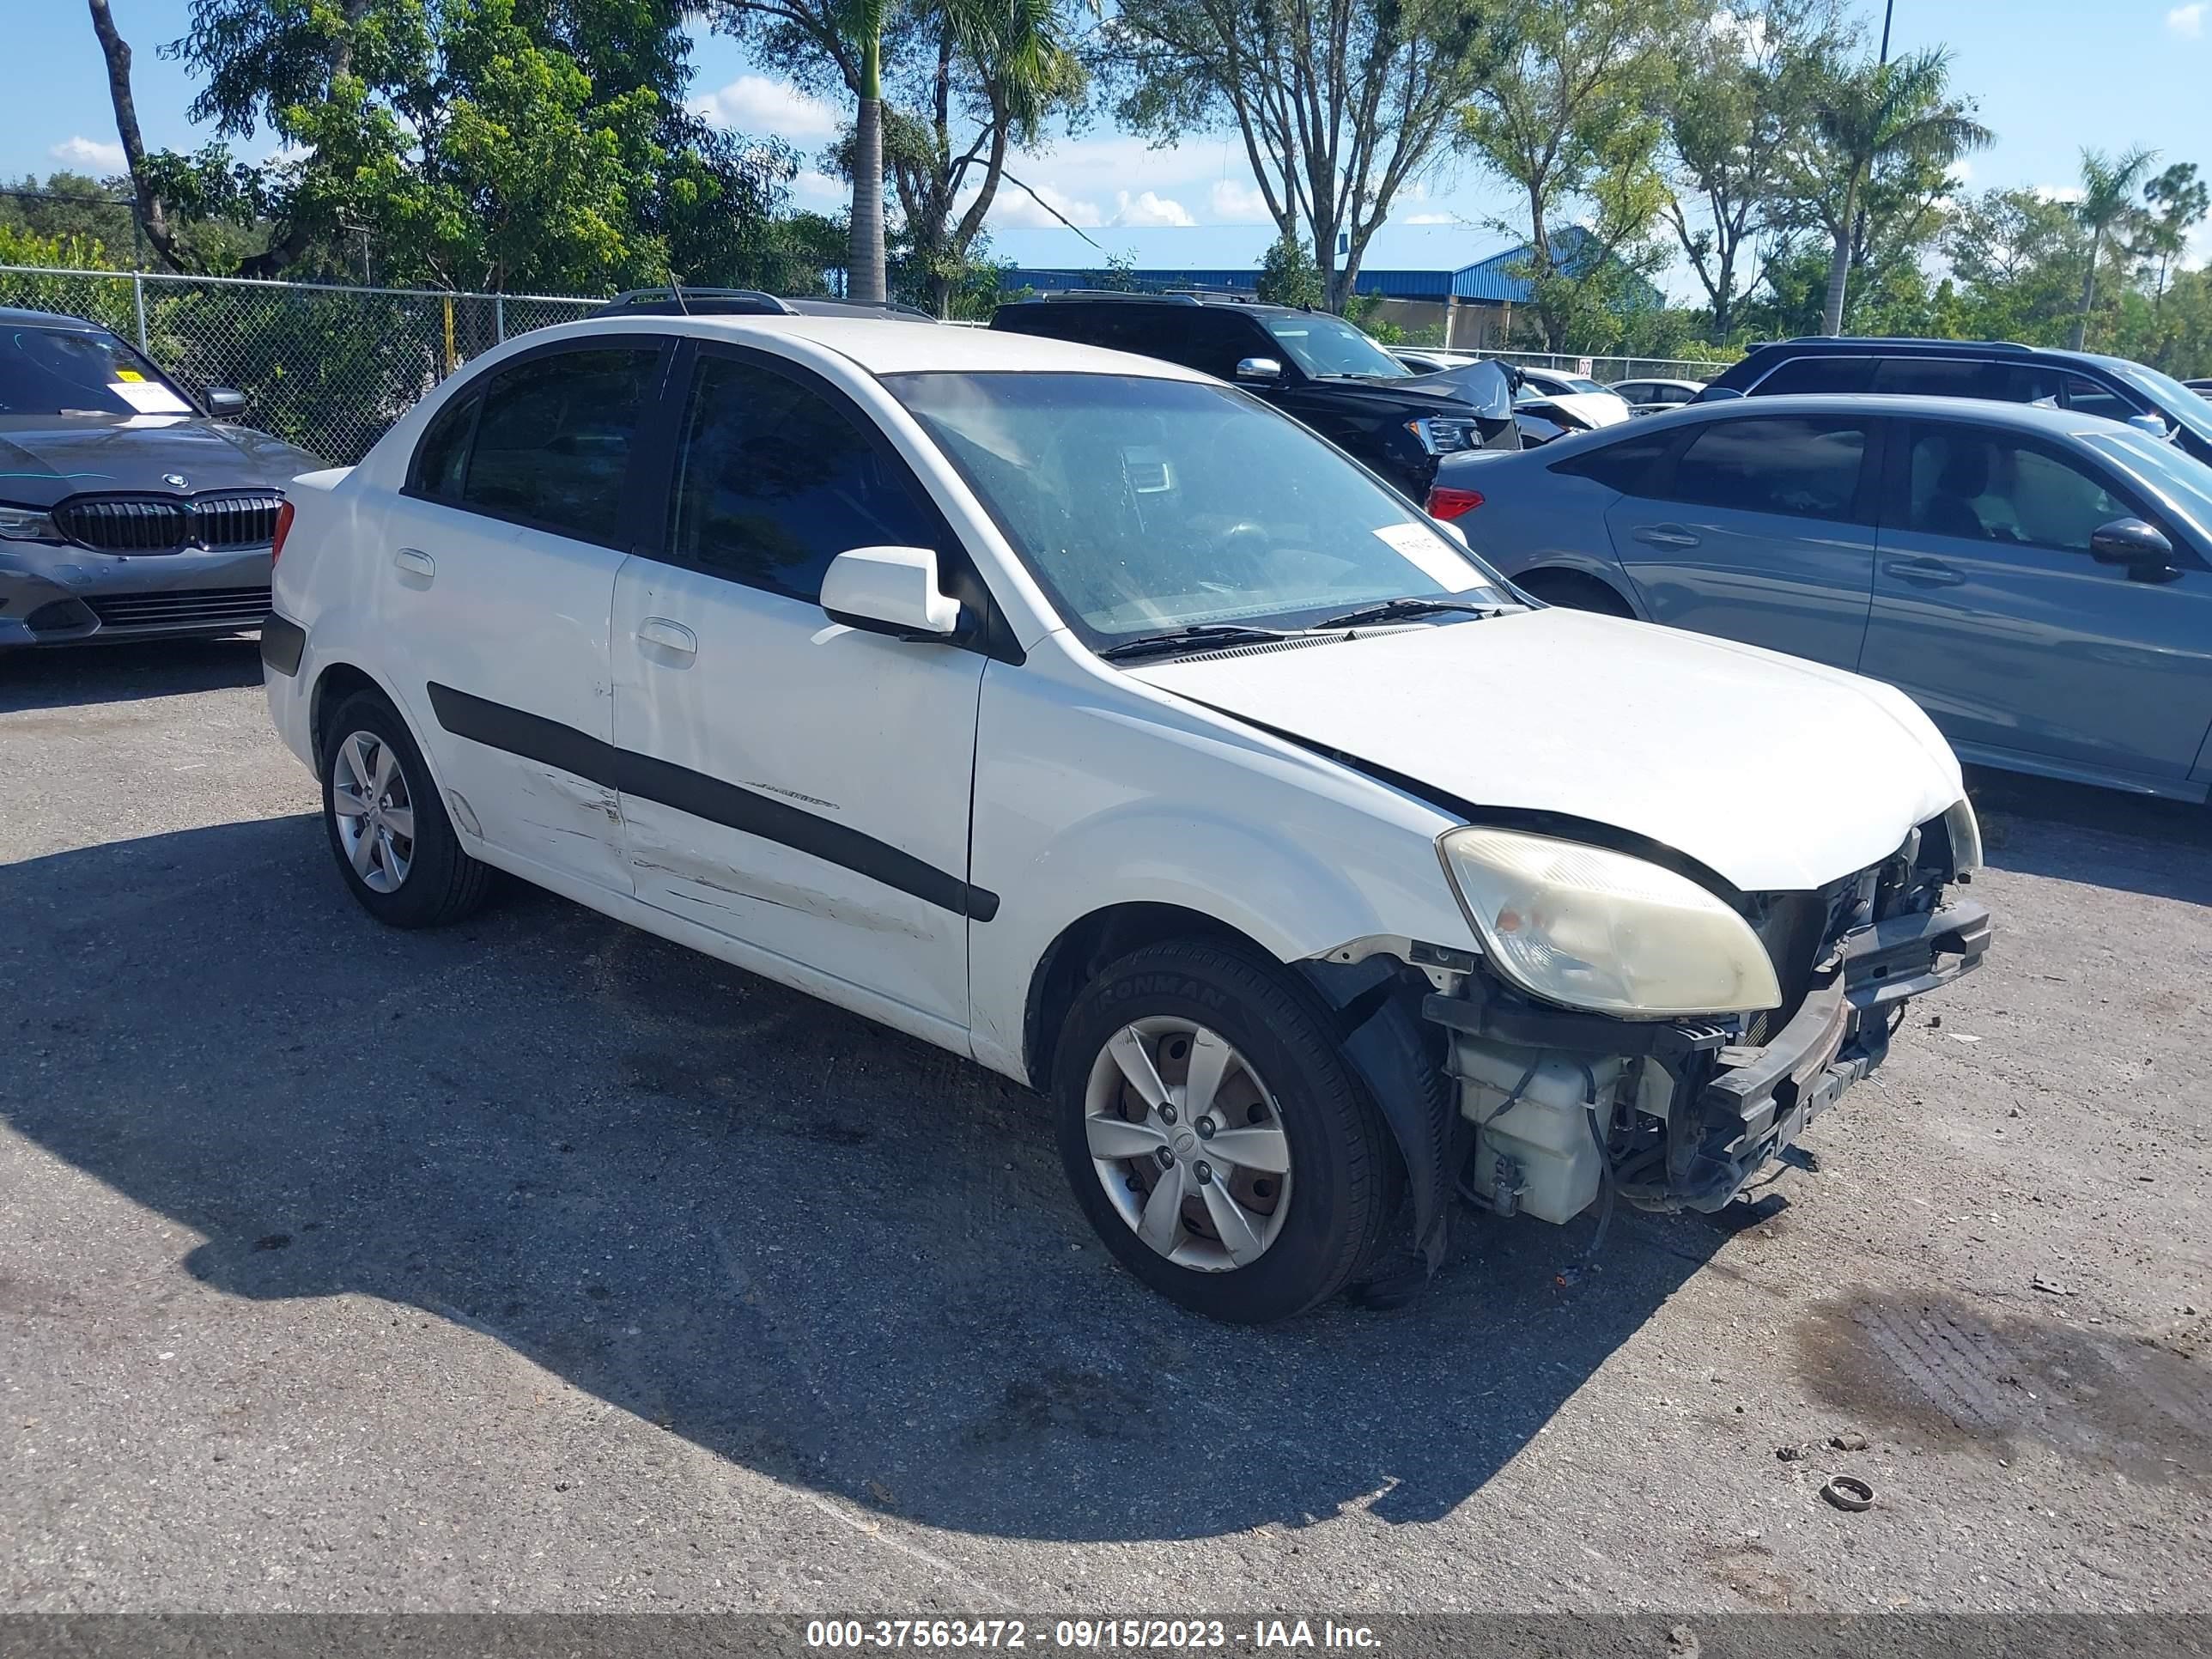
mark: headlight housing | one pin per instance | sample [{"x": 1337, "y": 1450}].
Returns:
[
  {"x": 1440, "y": 435},
  {"x": 1964, "y": 830},
  {"x": 1600, "y": 930},
  {"x": 26, "y": 524}
]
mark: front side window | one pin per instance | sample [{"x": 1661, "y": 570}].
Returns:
[
  {"x": 552, "y": 444},
  {"x": 773, "y": 481},
  {"x": 1806, "y": 466},
  {"x": 1324, "y": 345},
  {"x": 1984, "y": 487},
  {"x": 1144, "y": 505},
  {"x": 1630, "y": 465}
]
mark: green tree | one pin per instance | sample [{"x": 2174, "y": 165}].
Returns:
[
  {"x": 1340, "y": 104},
  {"x": 1289, "y": 276},
  {"x": 2108, "y": 209},
  {"x": 1570, "y": 118},
  {"x": 2015, "y": 255},
  {"x": 2177, "y": 201},
  {"x": 1743, "y": 95},
  {"x": 942, "y": 91},
  {"x": 1892, "y": 128}
]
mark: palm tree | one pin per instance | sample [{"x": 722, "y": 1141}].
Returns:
[
  {"x": 2108, "y": 193},
  {"x": 1876, "y": 113},
  {"x": 1017, "y": 43}
]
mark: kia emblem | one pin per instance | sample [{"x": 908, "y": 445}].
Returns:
[{"x": 175, "y": 480}]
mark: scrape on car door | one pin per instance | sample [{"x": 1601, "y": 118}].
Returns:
[{"x": 792, "y": 784}]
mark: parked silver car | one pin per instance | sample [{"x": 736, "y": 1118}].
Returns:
[{"x": 2039, "y": 579}]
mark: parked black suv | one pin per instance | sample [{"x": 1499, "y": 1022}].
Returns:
[
  {"x": 1314, "y": 367},
  {"x": 1997, "y": 370}
]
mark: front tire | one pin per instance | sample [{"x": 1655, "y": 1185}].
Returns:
[
  {"x": 395, "y": 846},
  {"x": 1215, "y": 1137}
]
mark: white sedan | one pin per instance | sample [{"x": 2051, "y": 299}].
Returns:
[{"x": 1079, "y": 714}]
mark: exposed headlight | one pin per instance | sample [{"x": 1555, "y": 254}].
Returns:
[
  {"x": 1600, "y": 930},
  {"x": 1965, "y": 832},
  {"x": 1440, "y": 436},
  {"x": 25, "y": 523}
]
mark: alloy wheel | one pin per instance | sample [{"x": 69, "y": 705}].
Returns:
[{"x": 375, "y": 807}]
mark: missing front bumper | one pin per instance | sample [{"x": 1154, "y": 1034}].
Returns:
[{"x": 1679, "y": 1115}]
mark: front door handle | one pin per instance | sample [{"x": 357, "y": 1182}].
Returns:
[
  {"x": 1923, "y": 573},
  {"x": 669, "y": 636},
  {"x": 1665, "y": 535},
  {"x": 415, "y": 563}
]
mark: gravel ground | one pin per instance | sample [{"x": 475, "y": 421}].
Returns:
[{"x": 538, "y": 1264}]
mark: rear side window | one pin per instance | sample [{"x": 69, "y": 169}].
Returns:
[
  {"x": 1629, "y": 466},
  {"x": 1806, "y": 466},
  {"x": 552, "y": 444},
  {"x": 443, "y": 455},
  {"x": 1820, "y": 374},
  {"x": 773, "y": 481},
  {"x": 1946, "y": 377}
]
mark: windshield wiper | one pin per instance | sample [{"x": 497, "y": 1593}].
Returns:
[
  {"x": 1391, "y": 610},
  {"x": 1198, "y": 633}
]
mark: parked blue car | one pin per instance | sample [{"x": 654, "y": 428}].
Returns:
[{"x": 2039, "y": 579}]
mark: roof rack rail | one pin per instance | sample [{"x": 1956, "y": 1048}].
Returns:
[
  {"x": 2008, "y": 346},
  {"x": 1116, "y": 294}
]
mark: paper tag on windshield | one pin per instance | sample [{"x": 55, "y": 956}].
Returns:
[
  {"x": 149, "y": 397},
  {"x": 1436, "y": 560}
]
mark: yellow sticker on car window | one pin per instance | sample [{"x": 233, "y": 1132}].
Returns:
[{"x": 128, "y": 375}]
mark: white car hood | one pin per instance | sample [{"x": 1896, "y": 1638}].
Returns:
[
  {"x": 1779, "y": 774},
  {"x": 1598, "y": 408}
]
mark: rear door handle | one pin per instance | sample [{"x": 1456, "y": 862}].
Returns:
[
  {"x": 415, "y": 563},
  {"x": 1923, "y": 573},
  {"x": 669, "y": 636},
  {"x": 1665, "y": 535}
]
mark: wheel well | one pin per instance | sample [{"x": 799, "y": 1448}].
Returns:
[
  {"x": 1083, "y": 947},
  {"x": 338, "y": 683},
  {"x": 1577, "y": 590}
]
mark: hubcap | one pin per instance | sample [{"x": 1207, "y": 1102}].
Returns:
[
  {"x": 376, "y": 812},
  {"x": 1187, "y": 1144}
]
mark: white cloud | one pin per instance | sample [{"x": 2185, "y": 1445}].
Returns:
[
  {"x": 1149, "y": 208},
  {"x": 756, "y": 105},
  {"x": 2187, "y": 22},
  {"x": 2059, "y": 192},
  {"x": 1963, "y": 170},
  {"x": 820, "y": 189},
  {"x": 1016, "y": 206},
  {"x": 88, "y": 153},
  {"x": 1429, "y": 219},
  {"x": 1233, "y": 202}
]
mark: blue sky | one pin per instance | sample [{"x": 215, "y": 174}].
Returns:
[{"x": 2050, "y": 76}]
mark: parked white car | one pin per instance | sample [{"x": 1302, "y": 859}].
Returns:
[{"x": 1077, "y": 713}]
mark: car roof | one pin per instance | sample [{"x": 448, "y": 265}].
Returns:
[
  {"x": 1873, "y": 345},
  {"x": 1177, "y": 296},
  {"x": 889, "y": 346},
  {"x": 2028, "y": 418},
  {"x": 12, "y": 317}
]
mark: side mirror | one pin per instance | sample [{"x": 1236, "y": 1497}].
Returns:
[
  {"x": 890, "y": 590},
  {"x": 223, "y": 402},
  {"x": 1264, "y": 370},
  {"x": 2140, "y": 548},
  {"x": 2151, "y": 423}
]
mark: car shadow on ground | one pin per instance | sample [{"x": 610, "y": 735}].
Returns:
[
  {"x": 2099, "y": 838},
  {"x": 79, "y": 676},
  {"x": 805, "y": 1244}
]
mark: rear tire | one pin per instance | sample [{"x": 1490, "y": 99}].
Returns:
[
  {"x": 1278, "y": 1182},
  {"x": 1573, "y": 591},
  {"x": 395, "y": 846}
]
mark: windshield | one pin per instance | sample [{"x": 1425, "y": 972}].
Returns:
[
  {"x": 2184, "y": 481},
  {"x": 2175, "y": 401},
  {"x": 1142, "y": 506},
  {"x": 59, "y": 371},
  {"x": 1322, "y": 344},
  {"x": 1582, "y": 385}
]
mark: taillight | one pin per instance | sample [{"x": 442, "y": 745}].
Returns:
[
  {"x": 1444, "y": 501},
  {"x": 284, "y": 529}
]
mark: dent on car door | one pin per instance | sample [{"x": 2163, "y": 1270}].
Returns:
[
  {"x": 1760, "y": 530},
  {"x": 496, "y": 573},
  {"x": 792, "y": 784},
  {"x": 1991, "y": 611}
]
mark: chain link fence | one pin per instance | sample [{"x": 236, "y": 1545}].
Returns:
[
  {"x": 328, "y": 368},
  {"x": 1606, "y": 371}
]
